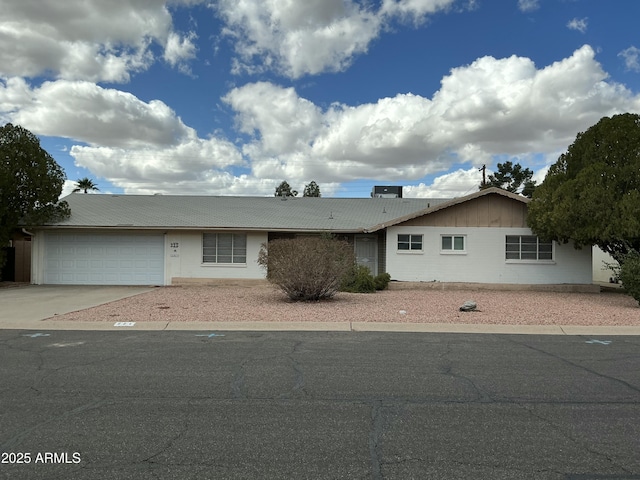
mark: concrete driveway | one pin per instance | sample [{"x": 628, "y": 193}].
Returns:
[{"x": 20, "y": 305}]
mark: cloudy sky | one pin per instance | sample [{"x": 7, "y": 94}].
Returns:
[{"x": 230, "y": 97}]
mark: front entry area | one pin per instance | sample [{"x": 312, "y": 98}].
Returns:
[{"x": 366, "y": 248}]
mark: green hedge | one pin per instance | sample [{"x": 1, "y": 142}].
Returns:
[{"x": 630, "y": 275}]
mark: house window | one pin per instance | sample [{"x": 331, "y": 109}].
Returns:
[
  {"x": 452, "y": 243},
  {"x": 224, "y": 248},
  {"x": 410, "y": 242},
  {"x": 528, "y": 247}
]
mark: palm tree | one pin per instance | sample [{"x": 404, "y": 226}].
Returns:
[{"x": 84, "y": 185}]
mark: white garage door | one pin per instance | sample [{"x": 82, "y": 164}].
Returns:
[{"x": 104, "y": 259}]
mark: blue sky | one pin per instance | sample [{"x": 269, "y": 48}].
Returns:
[{"x": 234, "y": 96}]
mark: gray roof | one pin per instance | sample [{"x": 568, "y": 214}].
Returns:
[{"x": 243, "y": 213}]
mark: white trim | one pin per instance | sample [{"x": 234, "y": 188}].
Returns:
[
  {"x": 410, "y": 250},
  {"x": 531, "y": 262},
  {"x": 222, "y": 264},
  {"x": 548, "y": 261},
  {"x": 452, "y": 251}
]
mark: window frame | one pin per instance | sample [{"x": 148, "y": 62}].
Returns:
[
  {"x": 549, "y": 250},
  {"x": 410, "y": 242},
  {"x": 237, "y": 253},
  {"x": 453, "y": 250}
]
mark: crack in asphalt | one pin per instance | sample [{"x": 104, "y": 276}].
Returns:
[
  {"x": 375, "y": 434},
  {"x": 169, "y": 443},
  {"x": 299, "y": 382},
  {"x": 577, "y": 365},
  {"x": 381, "y": 419},
  {"x": 498, "y": 466},
  {"x": 238, "y": 387},
  {"x": 383, "y": 409},
  {"x": 573, "y": 440},
  {"x": 447, "y": 369},
  {"x": 12, "y": 442}
]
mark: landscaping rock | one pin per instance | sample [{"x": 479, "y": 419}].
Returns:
[{"x": 469, "y": 306}]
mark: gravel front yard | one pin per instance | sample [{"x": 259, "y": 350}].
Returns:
[{"x": 264, "y": 303}]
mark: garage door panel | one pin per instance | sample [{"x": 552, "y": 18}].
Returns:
[{"x": 108, "y": 259}]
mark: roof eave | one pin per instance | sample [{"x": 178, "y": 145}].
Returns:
[{"x": 197, "y": 227}]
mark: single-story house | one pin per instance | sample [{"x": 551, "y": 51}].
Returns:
[{"x": 164, "y": 239}]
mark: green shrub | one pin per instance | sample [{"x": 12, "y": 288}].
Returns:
[
  {"x": 630, "y": 275},
  {"x": 307, "y": 268},
  {"x": 381, "y": 281},
  {"x": 358, "y": 280}
]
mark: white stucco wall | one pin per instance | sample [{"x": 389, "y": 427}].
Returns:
[
  {"x": 600, "y": 272},
  {"x": 484, "y": 259},
  {"x": 37, "y": 258},
  {"x": 185, "y": 259}
]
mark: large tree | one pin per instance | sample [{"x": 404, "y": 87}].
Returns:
[
  {"x": 591, "y": 195},
  {"x": 284, "y": 190},
  {"x": 30, "y": 183},
  {"x": 512, "y": 178},
  {"x": 311, "y": 190}
]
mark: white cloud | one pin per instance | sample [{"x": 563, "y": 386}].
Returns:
[
  {"x": 100, "y": 41},
  {"x": 193, "y": 161},
  {"x": 89, "y": 113},
  {"x": 285, "y": 122},
  {"x": 579, "y": 24},
  {"x": 85, "y": 39},
  {"x": 415, "y": 9},
  {"x": 463, "y": 182},
  {"x": 491, "y": 107},
  {"x": 179, "y": 50},
  {"x": 528, "y": 5},
  {"x": 301, "y": 38},
  {"x": 133, "y": 144},
  {"x": 298, "y": 38},
  {"x": 450, "y": 185},
  {"x": 631, "y": 58}
]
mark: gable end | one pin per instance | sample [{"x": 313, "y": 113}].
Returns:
[{"x": 484, "y": 211}]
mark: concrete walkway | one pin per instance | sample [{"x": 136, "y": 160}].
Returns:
[{"x": 27, "y": 307}]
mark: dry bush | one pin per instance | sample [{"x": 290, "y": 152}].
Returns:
[{"x": 307, "y": 268}]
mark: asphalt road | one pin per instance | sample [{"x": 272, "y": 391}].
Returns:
[{"x": 188, "y": 405}]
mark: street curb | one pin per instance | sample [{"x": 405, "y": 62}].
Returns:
[{"x": 51, "y": 325}]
